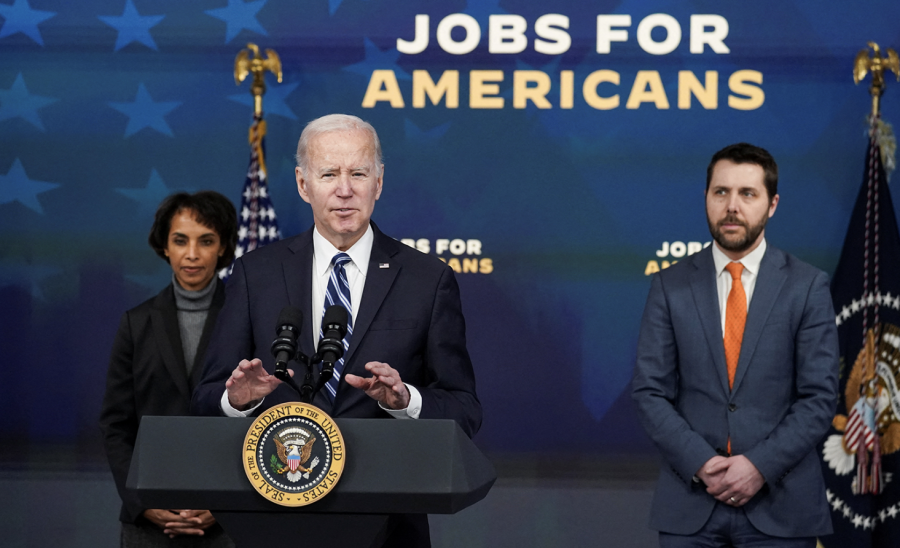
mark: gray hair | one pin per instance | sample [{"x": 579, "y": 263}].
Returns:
[{"x": 335, "y": 122}]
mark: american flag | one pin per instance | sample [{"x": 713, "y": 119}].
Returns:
[{"x": 257, "y": 224}]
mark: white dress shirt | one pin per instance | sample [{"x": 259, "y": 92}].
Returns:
[
  {"x": 748, "y": 276},
  {"x": 356, "y": 269}
]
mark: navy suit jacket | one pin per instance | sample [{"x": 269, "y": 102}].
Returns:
[
  {"x": 783, "y": 400},
  {"x": 410, "y": 317}
]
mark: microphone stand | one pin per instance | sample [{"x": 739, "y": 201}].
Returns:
[{"x": 307, "y": 390}]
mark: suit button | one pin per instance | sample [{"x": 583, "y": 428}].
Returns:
[{"x": 732, "y": 407}]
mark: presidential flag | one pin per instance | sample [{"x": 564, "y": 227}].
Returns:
[
  {"x": 257, "y": 224},
  {"x": 860, "y": 454}
]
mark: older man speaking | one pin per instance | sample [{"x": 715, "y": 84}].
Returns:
[{"x": 407, "y": 354}]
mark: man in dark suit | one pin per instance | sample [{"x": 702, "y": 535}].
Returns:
[
  {"x": 736, "y": 375},
  {"x": 407, "y": 354}
]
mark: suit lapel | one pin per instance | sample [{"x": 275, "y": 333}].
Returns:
[
  {"x": 164, "y": 317},
  {"x": 214, "y": 309},
  {"x": 706, "y": 298},
  {"x": 378, "y": 283},
  {"x": 770, "y": 280},
  {"x": 298, "y": 281}
]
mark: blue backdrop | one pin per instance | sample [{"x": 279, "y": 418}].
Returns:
[{"x": 566, "y": 154}]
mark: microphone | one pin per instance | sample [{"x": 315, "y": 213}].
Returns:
[
  {"x": 331, "y": 347},
  {"x": 284, "y": 348}
]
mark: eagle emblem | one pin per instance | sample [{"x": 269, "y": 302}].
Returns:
[
  {"x": 294, "y": 445},
  {"x": 871, "y": 427}
]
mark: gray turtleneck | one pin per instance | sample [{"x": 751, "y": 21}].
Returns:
[{"x": 193, "y": 307}]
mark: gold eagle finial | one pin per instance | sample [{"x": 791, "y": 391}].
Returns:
[
  {"x": 244, "y": 64},
  {"x": 877, "y": 64}
]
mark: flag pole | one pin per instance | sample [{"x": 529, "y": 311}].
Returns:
[{"x": 257, "y": 222}]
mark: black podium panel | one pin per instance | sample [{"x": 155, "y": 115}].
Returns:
[
  {"x": 271, "y": 529},
  {"x": 393, "y": 466}
]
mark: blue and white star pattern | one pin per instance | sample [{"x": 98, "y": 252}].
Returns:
[
  {"x": 16, "y": 102},
  {"x": 133, "y": 27},
  {"x": 15, "y": 186},
  {"x": 149, "y": 196},
  {"x": 239, "y": 15},
  {"x": 144, "y": 112},
  {"x": 19, "y": 17},
  {"x": 378, "y": 60}
]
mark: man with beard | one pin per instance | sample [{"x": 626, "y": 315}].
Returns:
[{"x": 736, "y": 376}]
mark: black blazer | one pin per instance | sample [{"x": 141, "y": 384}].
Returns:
[
  {"x": 410, "y": 317},
  {"x": 147, "y": 376}
]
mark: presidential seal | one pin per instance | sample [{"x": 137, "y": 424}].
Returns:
[{"x": 293, "y": 454}]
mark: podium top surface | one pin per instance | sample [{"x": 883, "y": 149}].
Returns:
[{"x": 392, "y": 466}]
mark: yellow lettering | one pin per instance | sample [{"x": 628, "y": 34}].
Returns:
[
  {"x": 480, "y": 90},
  {"x": 707, "y": 95},
  {"x": 383, "y": 86},
  {"x": 537, "y": 94},
  {"x": 589, "y": 89},
  {"x": 566, "y": 89},
  {"x": 652, "y": 268},
  {"x": 741, "y": 82},
  {"x": 647, "y": 88},
  {"x": 454, "y": 264},
  {"x": 486, "y": 266},
  {"x": 447, "y": 86}
]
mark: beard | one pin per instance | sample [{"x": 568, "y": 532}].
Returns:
[{"x": 735, "y": 243}]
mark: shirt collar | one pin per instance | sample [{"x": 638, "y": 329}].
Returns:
[
  {"x": 359, "y": 252},
  {"x": 750, "y": 261}
]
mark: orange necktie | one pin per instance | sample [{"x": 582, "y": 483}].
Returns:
[{"x": 735, "y": 318}]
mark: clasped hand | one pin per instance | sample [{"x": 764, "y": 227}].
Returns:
[
  {"x": 732, "y": 480},
  {"x": 180, "y": 522}
]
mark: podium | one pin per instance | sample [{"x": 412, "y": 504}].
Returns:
[{"x": 392, "y": 467}]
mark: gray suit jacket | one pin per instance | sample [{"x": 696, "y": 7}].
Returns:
[{"x": 784, "y": 396}]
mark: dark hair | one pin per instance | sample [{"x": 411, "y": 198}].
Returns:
[
  {"x": 743, "y": 153},
  {"x": 210, "y": 209}
]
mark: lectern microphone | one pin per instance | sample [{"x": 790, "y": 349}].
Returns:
[
  {"x": 331, "y": 347},
  {"x": 284, "y": 347}
]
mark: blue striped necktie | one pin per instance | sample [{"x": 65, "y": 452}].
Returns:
[{"x": 338, "y": 292}]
